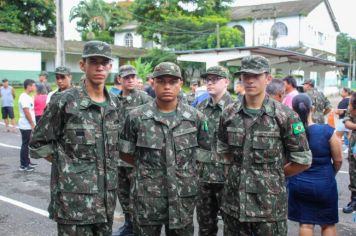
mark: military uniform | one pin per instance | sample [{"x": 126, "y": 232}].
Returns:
[
  {"x": 82, "y": 136},
  {"x": 320, "y": 103},
  {"x": 352, "y": 166},
  {"x": 127, "y": 103},
  {"x": 255, "y": 143},
  {"x": 165, "y": 147},
  {"x": 211, "y": 167}
]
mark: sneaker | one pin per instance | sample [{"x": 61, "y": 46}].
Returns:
[
  {"x": 33, "y": 164},
  {"x": 29, "y": 169},
  {"x": 22, "y": 168}
]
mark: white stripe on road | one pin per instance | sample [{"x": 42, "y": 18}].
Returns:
[
  {"x": 24, "y": 206},
  {"x": 10, "y": 146}
]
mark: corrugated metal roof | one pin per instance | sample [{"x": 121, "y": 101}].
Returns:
[{"x": 36, "y": 43}]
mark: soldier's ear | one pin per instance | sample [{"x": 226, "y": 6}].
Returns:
[{"x": 81, "y": 64}]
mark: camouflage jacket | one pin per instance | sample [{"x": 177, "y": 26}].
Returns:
[
  {"x": 84, "y": 144},
  {"x": 165, "y": 152},
  {"x": 190, "y": 98},
  {"x": 255, "y": 184},
  {"x": 133, "y": 100},
  {"x": 212, "y": 167},
  {"x": 320, "y": 103},
  {"x": 182, "y": 97}
]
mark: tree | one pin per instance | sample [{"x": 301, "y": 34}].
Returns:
[
  {"x": 176, "y": 26},
  {"x": 97, "y": 19},
  {"x": 28, "y": 17},
  {"x": 142, "y": 68},
  {"x": 344, "y": 41}
]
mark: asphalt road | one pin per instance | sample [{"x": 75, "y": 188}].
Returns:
[{"x": 24, "y": 197}]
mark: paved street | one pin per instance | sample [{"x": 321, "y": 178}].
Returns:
[{"x": 20, "y": 188}]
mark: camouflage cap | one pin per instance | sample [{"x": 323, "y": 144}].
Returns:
[
  {"x": 126, "y": 70},
  {"x": 309, "y": 81},
  {"x": 216, "y": 70},
  {"x": 254, "y": 64},
  {"x": 44, "y": 73},
  {"x": 62, "y": 70},
  {"x": 97, "y": 48},
  {"x": 167, "y": 68},
  {"x": 194, "y": 82}
]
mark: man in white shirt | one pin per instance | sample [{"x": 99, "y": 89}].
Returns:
[{"x": 26, "y": 123}]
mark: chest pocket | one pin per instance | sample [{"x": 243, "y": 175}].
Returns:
[
  {"x": 235, "y": 136},
  {"x": 113, "y": 140},
  {"x": 185, "y": 142},
  {"x": 267, "y": 146},
  {"x": 80, "y": 140}
]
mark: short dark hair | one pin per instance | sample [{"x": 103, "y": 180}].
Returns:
[
  {"x": 28, "y": 82},
  {"x": 5, "y": 80},
  {"x": 347, "y": 90},
  {"x": 353, "y": 100},
  {"x": 290, "y": 80}
]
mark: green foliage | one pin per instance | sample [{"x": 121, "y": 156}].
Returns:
[
  {"x": 28, "y": 17},
  {"x": 343, "y": 47},
  {"x": 182, "y": 28},
  {"x": 229, "y": 37},
  {"x": 156, "y": 56},
  {"x": 97, "y": 19},
  {"x": 142, "y": 68}
]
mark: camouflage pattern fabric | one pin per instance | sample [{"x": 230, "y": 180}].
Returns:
[
  {"x": 155, "y": 230},
  {"x": 167, "y": 68},
  {"x": 126, "y": 70},
  {"x": 352, "y": 157},
  {"x": 83, "y": 140},
  {"x": 216, "y": 70},
  {"x": 62, "y": 70},
  {"x": 254, "y": 64},
  {"x": 182, "y": 97},
  {"x": 254, "y": 189},
  {"x": 211, "y": 170},
  {"x": 320, "y": 103},
  {"x": 102, "y": 229},
  {"x": 165, "y": 151},
  {"x": 97, "y": 48},
  {"x": 128, "y": 103},
  {"x": 233, "y": 227}
]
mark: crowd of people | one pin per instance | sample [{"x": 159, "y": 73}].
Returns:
[{"x": 254, "y": 160}]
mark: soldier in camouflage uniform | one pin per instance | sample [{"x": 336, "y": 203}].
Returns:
[
  {"x": 63, "y": 80},
  {"x": 79, "y": 134},
  {"x": 129, "y": 99},
  {"x": 163, "y": 140},
  {"x": 254, "y": 134},
  {"x": 320, "y": 103},
  {"x": 211, "y": 167},
  {"x": 193, "y": 87},
  {"x": 350, "y": 123}
]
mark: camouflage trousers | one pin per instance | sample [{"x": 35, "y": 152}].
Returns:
[
  {"x": 208, "y": 206},
  {"x": 123, "y": 190},
  {"x": 352, "y": 172},
  {"x": 100, "y": 229},
  {"x": 155, "y": 230},
  {"x": 233, "y": 227}
]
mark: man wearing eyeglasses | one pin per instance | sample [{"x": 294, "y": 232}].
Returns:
[
  {"x": 211, "y": 167},
  {"x": 129, "y": 98},
  {"x": 78, "y": 133},
  {"x": 63, "y": 80}
]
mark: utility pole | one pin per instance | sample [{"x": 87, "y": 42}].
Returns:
[
  {"x": 60, "y": 55},
  {"x": 217, "y": 36},
  {"x": 350, "y": 61}
]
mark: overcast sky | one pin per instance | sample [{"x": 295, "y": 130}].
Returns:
[{"x": 344, "y": 11}]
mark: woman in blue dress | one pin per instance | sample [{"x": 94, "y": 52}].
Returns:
[{"x": 313, "y": 197}]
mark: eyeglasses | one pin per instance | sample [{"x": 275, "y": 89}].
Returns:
[{"x": 213, "y": 79}]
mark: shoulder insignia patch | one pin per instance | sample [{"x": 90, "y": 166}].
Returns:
[{"x": 298, "y": 128}]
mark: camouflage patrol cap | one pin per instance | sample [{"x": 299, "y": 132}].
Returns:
[
  {"x": 309, "y": 81},
  {"x": 194, "y": 82},
  {"x": 62, "y": 70},
  {"x": 216, "y": 70},
  {"x": 43, "y": 73},
  {"x": 167, "y": 68},
  {"x": 97, "y": 48},
  {"x": 126, "y": 70},
  {"x": 254, "y": 64}
]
